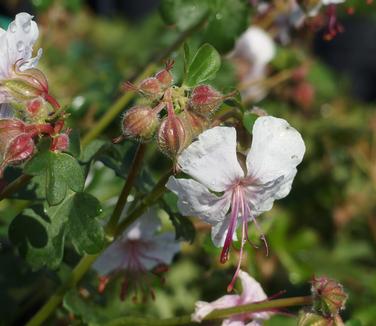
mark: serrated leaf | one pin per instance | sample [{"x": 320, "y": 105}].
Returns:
[
  {"x": 85, "y": 231},
  {"x": 184, "y": 228},
  {"x": 60, "y": 171},
  {"x": 39, "y": 238},
  {"x": 204, "y": 65}
]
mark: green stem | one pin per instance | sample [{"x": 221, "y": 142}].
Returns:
[
  {"x": 153, "y": 196},
  {"x": 135, "y": 168},
  {"x": 271, "y": 305},
  {"x": 14, "y": 186},
  {"x": 85, "y": 263}
]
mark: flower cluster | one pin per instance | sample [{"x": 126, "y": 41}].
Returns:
[
  {"x": 175, "y": 116},
  {"x": 27, "y": 110},
  {"x": 136, "y": 252}
]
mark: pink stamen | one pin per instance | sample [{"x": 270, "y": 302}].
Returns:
[{"x": 231, "y": 228}]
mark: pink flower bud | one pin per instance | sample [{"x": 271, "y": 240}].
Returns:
[
  {"x": 60, "y": 143},
  {"x": 151, "y": 87},
  {"x": 304, "y": 94},
  {"x": 172, "y": 136},
  {"x": 328, "y": 295},
  {"x": 205, "y": 100},
  {"x": 140, "y": 122},
  {"x": 164, "y": 76},
  {"x": 308, "y": 318},
  {"x": 17, "y": 150},
  {"x": 195, "y": 123}
]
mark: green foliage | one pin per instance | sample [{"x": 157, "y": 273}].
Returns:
[
  {"x": 39, "y": 232},
  {"x": 60, "y": 172},
  {"x": 204, "y": 66}
]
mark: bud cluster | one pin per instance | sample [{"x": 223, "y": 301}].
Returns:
[
  {"x": 175, "y": 115},
  {"x": 329, "y": 299}
]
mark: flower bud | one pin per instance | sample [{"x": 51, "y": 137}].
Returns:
[
  {"x": 304, "y": 94},
  {"x": 172, "y": 136},
  {"x": 17, "y": 150},
  {"x": 195, "y": 123},
  {"x": 60, "y": 143},
  {"x": 151, "y": 87},
  {"x": 205, "y": 100},
  {"x": 328, "y": 296},
  {"x": 140, "y": 122},
  {"x": 164, "y": 76},
  {"x": 306, "y": 318}
]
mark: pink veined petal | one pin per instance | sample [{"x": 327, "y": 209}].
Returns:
[
  {"x": 144, "y": 227},
  {"x": 202, "y": 308},
  {"x": 197, "y": 200},
  {"x": 111, "y": 259},
  {"x": 161, "y": 251},
  {"x": 252, "y": 290},
  {"x": 276, "y": 150},
  {"x": 21, "y": 35},
  {"x": 219, "y": 232},
  {"x": 212, "y": 160}
]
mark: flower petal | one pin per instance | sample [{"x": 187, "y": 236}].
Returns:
[
  {"x": 276, "y": 150},
  {"x": 111, "y": 259},
  {"x": 21, "y": 35},
  {"x": 144, "y": 227},
  {"x": 161, "y": 250},
  {"x": 212, "y": 159},
  {"x": 202, "y": 308},
  {"x": 219, "y": 232},
  {"x": 196, "y": 200}
]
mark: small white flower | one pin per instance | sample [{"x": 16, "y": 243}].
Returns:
[
  {"x": 16, "y": 48},
  {"x": 257, "y": 49},
  {"x": 252, "y": 292},
  {"x": 224, "y": 195},
  {"x": 138, "y": 250}
]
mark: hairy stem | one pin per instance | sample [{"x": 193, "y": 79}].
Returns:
[
  {"x": 14, "y": 186},
  {"x": 135, "y": 168},
  {"x": 271, "y": 305}
]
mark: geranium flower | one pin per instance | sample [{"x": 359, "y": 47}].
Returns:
[
  {"x": 221, "y": 193},
  {"x": 138, "y": 250},
  {"x": 253, "y": 51},
  {"x": 19, "y": 80},
  {"x": 252, "y": 292}
]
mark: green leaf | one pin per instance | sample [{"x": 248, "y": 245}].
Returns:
[
  {"x": 38, "y": 237},
  {"x": 91, "y": 150},
  {"x": 204, "y": 65},
  {"x": 74, "y": 143},
  {"x": 229, "y": 19},
  {"x": 39, "y": 233},
  {"x": 183, "y": 13},
  {"x": 249, "y": 120},
  {"x": 60, "y": 171},
  {"x": 85, "y": 231}
]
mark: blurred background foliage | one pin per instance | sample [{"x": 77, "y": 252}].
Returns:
[{"x": 327, "y": 225}]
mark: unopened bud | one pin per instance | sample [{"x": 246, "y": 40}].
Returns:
[
  {"x": 205, "y": 100},
  {"x": 194, "y": 122},
  {"x": 17, "y": 150},
  {"x": 60, "y": 143},
  {"x": 304, "y": 94},
  {"x": 306, "y": 318},
  {"x": 172, "y": 136},
  {"x": 151, "y": 87},
  {"x": 328, "y": 296},
  {"x": 164, "y": 76},
  {"x": 140, "y": 122}
]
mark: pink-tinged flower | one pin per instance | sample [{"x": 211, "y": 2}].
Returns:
[
  {"x": 19, "y": 79},
  {"x": 252, "y": 293},
  {"x": 136, "y": 252},
  {"x": 221, "y": 193}
]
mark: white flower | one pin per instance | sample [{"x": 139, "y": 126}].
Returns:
[
  {"x": 138, "y": 250},
  {"x": 256, "y": 48},
  {"x": 16, "y": 48},
  {"x": 224, "y": 195},
  {"x": 252, "y": 292}
]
